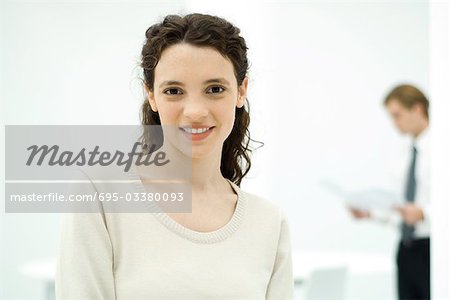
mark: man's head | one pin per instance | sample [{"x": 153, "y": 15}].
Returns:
[{"x": 408, "y": 108}]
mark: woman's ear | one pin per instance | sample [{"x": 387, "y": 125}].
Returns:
[
  {"x": 150, "y": 98},
  {"x": 242, "y": 93}
]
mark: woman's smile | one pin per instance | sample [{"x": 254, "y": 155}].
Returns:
[{"x": 197, "y": 133}]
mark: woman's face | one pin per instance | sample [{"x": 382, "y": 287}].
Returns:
[{"x": 196, "y": 93}]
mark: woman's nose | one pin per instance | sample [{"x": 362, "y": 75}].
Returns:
[{"x": 195, "y": 109}]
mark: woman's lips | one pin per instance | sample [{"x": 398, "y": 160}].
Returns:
[{"x": 197, "y": 136}]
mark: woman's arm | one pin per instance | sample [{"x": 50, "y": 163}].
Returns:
[
  {"x": 281, "y": 284},
  {"x": 85, "y": 256}
]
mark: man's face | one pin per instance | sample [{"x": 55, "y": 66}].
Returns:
[{"x": 405, "y": 119}]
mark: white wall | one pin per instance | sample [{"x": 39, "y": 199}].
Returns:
[
  {"x": 440, "y": 166},
  {"x": 331, "y": 65},
  {"x": 318, "y": 73}
]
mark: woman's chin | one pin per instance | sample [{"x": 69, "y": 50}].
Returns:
[{"x": 199, "y": 153}]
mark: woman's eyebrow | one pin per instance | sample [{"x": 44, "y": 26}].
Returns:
[
  {"x": 219, "y": 80},
  {"x": 170, "y": 82},
  {"x": 175, "y": 82}
]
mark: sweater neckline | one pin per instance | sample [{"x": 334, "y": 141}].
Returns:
[{"x": 208, "y": 237}]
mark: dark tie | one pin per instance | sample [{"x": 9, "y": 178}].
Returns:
[{"x": 410, "y": 193}]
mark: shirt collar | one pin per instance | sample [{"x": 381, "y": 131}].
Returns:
[{"x": 420, "y": 141}]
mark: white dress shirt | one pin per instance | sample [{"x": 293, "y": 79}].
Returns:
[{"x": 397, "y": 182}]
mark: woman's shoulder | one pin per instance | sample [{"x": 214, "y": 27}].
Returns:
[
  {"x": 265, "y": 217},
  {"x": 263, "y": 207}
]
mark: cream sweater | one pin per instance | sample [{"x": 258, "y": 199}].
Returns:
[{"x": 133, "y": 256}]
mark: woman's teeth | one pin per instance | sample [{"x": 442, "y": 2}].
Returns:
[{"x": 195, "y": 130}]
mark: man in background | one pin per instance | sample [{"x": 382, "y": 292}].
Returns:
[{"x": 408, "y": 108}]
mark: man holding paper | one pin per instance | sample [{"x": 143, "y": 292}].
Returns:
[{"x": 408, "y": 107}]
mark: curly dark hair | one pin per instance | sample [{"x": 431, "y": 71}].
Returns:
[{"x": 204, "y": 31}]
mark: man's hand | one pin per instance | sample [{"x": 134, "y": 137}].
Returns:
[
  {"x": 410, "y": 213},
  {"x": 358, "y": 213}
]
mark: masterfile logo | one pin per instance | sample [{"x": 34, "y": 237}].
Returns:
[
  {"x": 54, "y": 156},
  {"x": 97, "y": 168}
]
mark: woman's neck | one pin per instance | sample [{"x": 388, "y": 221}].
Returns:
[{"x": 206, "y": 174}]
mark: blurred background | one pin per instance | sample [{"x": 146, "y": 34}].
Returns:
[{"x": 318, "y": 73}]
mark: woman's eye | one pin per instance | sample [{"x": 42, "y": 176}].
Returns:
[
  {"x": 216, "y": 89},
  {"x": 172, "y": 91}
]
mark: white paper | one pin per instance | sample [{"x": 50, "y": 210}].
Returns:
[{"x": 373, "y": 198}]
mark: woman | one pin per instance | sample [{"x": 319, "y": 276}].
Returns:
[{"x": 234, "y": 244}]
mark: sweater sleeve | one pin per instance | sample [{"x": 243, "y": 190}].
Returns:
[
  {"x": 281, "y": 284},
  {"x": 84, "y": 268}
]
